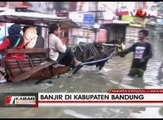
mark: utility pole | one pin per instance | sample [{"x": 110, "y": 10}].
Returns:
[
  {"x": 96, "y": 7},
  {"x": 96, "y": 25}
]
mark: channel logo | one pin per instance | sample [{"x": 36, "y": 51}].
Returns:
[{"x": 20, "y": 100}]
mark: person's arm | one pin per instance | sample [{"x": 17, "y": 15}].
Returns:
[
  {"x": 5, "y": 44},
  {"x": 149, "y": 55},
  {"x": 60, "y": 46},
  {"x": 126, "y": 51}
]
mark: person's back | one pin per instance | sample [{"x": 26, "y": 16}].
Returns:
[
  {"x": 39, "y": 44},
  {"x": 55, "y": 46},
  {"x": 30, "y": 36},
  {"x": 32, "y": 40},
  {"x": 17, "y": 43},
  {"x": 14, "y": 40}
]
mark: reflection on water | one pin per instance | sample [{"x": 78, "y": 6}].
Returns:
[
  {"x": 89, "y": 79},
  {"x": 98, "y": 113}
]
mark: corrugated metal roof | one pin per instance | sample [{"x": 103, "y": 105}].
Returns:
[{"x": 35, "y": 18}]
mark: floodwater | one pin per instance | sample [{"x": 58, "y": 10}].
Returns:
[{"x": 89, "y": 79}]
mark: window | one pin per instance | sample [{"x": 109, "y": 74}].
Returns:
[
  {"x": 3, "y": 4},
  {"x": 140, "y": 5}
]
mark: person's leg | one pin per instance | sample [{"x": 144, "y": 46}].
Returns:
[
  {"x": 67, "y": 58},
  {"x": 140, "y": 72},
  {"x": 60, "y": 60},
  {"x": 72, "y": 56},
  {"x": 132, "y": 72},
  {"x": 61, "y": 57},
  {"x": 64, "y": 58},
  {"x": 2, "y": 77}
]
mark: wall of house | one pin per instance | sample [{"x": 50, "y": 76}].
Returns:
[{"x": 102, "y": 35}]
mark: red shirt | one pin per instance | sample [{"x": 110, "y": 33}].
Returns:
[{"x": 6, "y": 45}]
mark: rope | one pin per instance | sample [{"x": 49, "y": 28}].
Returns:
[
  {"x": 111, "y": 44},
  {"x": 91, "y": 62},
  {"x": 96, "y": 61}
]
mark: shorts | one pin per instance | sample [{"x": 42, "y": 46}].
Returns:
[{"x": 136, "y": 72}]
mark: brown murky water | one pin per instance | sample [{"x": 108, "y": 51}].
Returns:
[{"x": 89, "y": 79}]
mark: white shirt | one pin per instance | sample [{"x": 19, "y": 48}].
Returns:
[{"x": 55, "y": 46}]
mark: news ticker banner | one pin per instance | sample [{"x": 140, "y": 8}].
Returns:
[{"x": 113, "y": 98}]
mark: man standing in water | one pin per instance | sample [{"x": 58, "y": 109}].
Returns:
[{"x": 142, "y": 53}]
